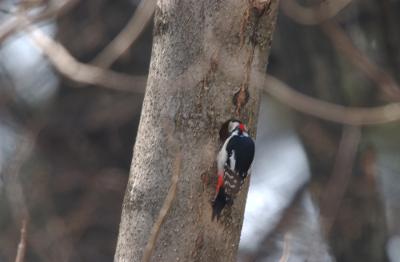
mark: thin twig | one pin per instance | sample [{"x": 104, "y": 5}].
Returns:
[
  {"x": 127, "y": 36},
  {"x": 313, "y": 15},
  {"x": 22, "y": 243},
  {"x": 164, "y": 209},
  {"x": 339, "y": 180},
  {"x": 69, "y": 67},
  {"x": 286, "y": 248}
]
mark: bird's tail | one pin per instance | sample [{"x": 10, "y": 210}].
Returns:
[{"x": 219, "y": 203}]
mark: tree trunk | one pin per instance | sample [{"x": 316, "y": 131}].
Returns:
[{"x": 189, "y": 95}]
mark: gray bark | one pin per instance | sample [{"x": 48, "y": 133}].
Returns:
[{"x": 189, "y": 95}]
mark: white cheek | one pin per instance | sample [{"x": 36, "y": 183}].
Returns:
[{"x": 232, "y": 126}]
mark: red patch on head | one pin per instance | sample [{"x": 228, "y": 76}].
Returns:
[{"x": 241, "y": 127}]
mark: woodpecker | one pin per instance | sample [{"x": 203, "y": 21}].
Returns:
[{"x": 233, "y": 163}]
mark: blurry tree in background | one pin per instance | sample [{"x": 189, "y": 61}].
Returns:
[{"x": 326, "y": 175}]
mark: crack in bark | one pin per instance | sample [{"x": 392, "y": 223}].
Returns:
[{"x": 251, "y": 22}]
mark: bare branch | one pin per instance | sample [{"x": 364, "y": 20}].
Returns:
[
  {"x": 69, "y": 67},
  {"x": 164, "y": 209},
  {"x": 343, "y": 45},
  {"x": 14, "y": 189},
  {"x": 356, "y": 116},
  {"x": 16, "y": 23},
  {"x": 337, "y": 113},
  {"x": 127, "y": 36},
  {"x": 313, "y": 15},
  {"x": 342, "y": 170},
  {"x": 22, "y": 243}
]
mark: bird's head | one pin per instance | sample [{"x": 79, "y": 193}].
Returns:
[
  {"x": 230, "y": 126},
  {"x": 236, "y": 125}
]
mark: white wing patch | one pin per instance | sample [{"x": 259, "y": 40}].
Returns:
[
  {"x": 232, "y": 161},
  {"x": 223, "y": 155},
  {"x": 221, "y": 159}
]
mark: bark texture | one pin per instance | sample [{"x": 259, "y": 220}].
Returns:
[{"x": 190, "y": 93}]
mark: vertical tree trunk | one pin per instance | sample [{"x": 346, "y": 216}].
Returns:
[{"x": 189, "y": 95}]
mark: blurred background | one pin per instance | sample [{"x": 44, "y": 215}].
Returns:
[{"x": 69, "y": 110}]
